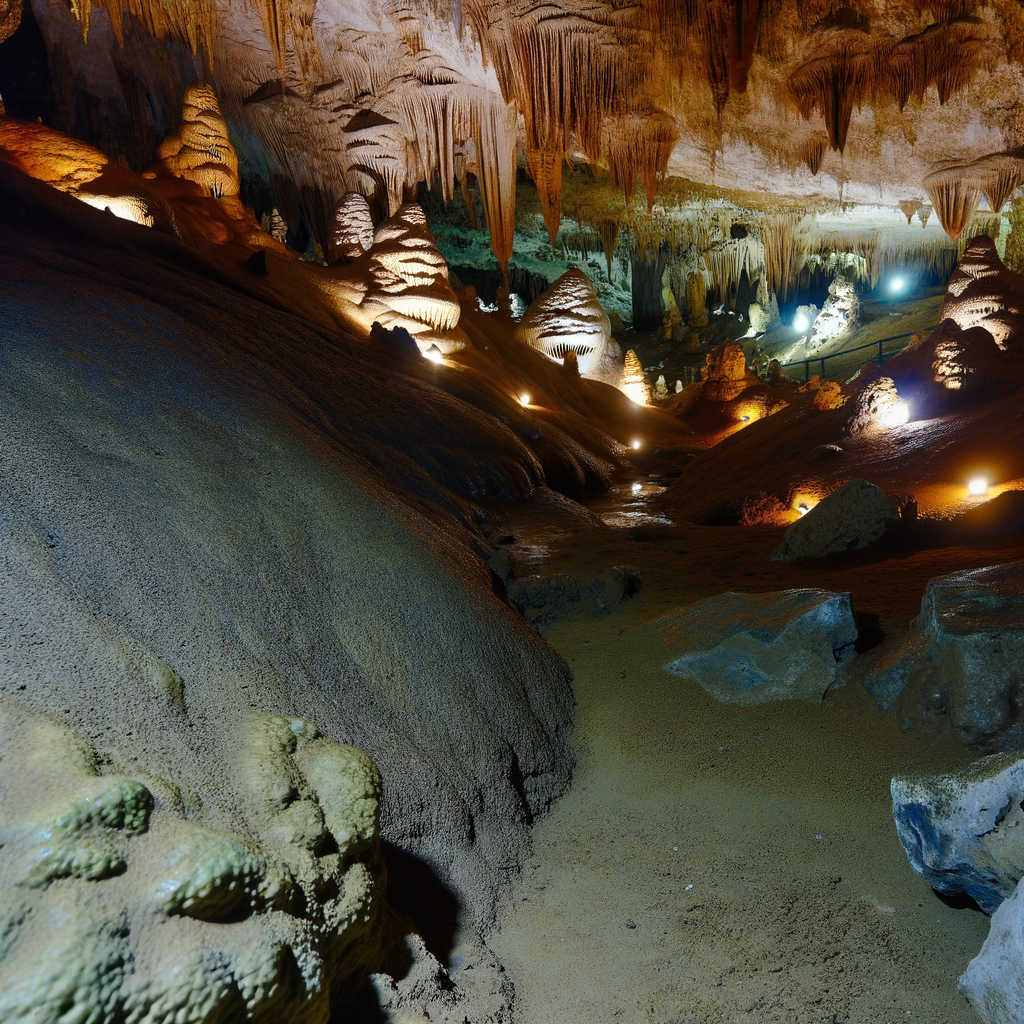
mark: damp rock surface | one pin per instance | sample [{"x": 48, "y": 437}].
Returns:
[
  {"x": 959, "y": 666},
  {"x": 994, "y": 980},
  {"x": 963, "y": 832},
  {"x": 754, "y": 648}
]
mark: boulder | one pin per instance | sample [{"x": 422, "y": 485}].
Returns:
[
  {"x": 725, "y": 374},
  {"x": 876, "y": 406},
  {"x": 545, "y": 600},
  {"x": 754, "y": 648},
  {"x": 962, "y": 832},
  {"x": 848, "y": 519},
  {"x": 960, "y": 664},
  {"x": 994, "y": 980}
]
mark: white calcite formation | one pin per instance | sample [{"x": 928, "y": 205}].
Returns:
[
  {"x": 353, "y": 229},
  {"x": 567, "y": 317},
  {"x": 838, "y": 317},
  {"x": 405, "y": 283}
]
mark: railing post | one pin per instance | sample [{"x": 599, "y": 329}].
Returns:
[
  {"x": 807, "y": 370},
  {"x": 881, "y": 357}
]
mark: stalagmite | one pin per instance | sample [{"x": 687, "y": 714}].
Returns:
[
  {"x": 353, "y": 228},
  {"x": 567, "y": 317},
  {"x": 634, "y": 384},
  {"x": 201, "y": 150},
  {"x": 408, "y": 283},
  {"x": 696, "y": 299}
]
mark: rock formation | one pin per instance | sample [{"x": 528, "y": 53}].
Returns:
[
  {"x": 353, "y": 229},
  {"x": 725, "y": 375},
  {"x": 958, "y": 665},
  {"x": 848, "y": 519},
  {"x": 568, "y": 317},
  {"x": 839, "y": 315},
  {"x": 876, "y": 406},
  {"x": 634, "y": 383},
  {"x": 754, "y": 648},
  {"x": 405, "y": 283},
  {"x": 201, "y": 149},
  {"x": 992, "y": 981},
  {"x": 962, "y": 831}
]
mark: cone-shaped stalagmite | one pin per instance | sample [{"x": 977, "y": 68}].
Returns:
[{"x": 634, "y": 384}]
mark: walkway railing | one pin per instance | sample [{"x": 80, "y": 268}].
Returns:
[{"x": 806, "y": 363}]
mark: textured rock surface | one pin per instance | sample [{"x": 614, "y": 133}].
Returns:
[
  {"x": 201, "y": 150},
  {"x": 994, "y": 980},
  {"x": 960, "y": 664},
  {"x": 849, "y": 518},
  {"x": 568, "y": 317},
  {"x": 753, "y": 648},
  {"x": 876, "y": 406},
  {"x": 964, "y": 832},
  {"x": 353, "y": 228},
  {"x": 545, "y": 600},
  {"x": 725, "y": 374},
  {"x": 176, "y": 559},
  {"x": 118, "y": 898}
]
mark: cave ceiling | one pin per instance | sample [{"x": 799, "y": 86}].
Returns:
[{"x": 885, "y": 102}]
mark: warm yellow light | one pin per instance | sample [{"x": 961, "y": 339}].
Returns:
[
  {"x": 978, "y": 485},
  {"x": 524, "y": 398},
  {"x": 802, "y": 509},
  {"x": 636, "y": 443},
  {"x": 434, "y": 354}
]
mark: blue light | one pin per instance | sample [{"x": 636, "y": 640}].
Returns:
[{"x": 897, "y": 284}]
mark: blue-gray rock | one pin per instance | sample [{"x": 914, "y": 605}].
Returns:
[
  {"x": 994, "y": 980},
  {"x": 961, "y": 664},
  {"x": 964, "y": 832},
  {"x": 753, "y": 648}
]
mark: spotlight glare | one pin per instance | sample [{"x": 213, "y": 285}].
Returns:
[
  {"x": 897, "y": 284},
  {"x": 896, "y": 415},
  {"x": 434, "y": 354},
  {"x": 800, "y": 322},
  {"x": 802, "y": 509},
  {"x": 524, "y": 398},
  {"x": 636, "y": 443},
  {"x": 977, "y": 486},
  {"x": 636, "y": 487}
]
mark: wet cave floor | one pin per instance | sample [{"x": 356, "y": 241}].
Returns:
[{"x": 715, "y": 863}]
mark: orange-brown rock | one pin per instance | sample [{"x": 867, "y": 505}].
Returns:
[
  {"x": 201, "y": 150},
  {"x": 725, "y": 373},
  {"x": 829, "y": 396}
]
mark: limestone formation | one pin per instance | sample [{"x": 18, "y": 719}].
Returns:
[
  {"x": 838, "y": 317},
  {"x": 962, "y": 832},
  {"x": 407, "y": 285},
  {"x": 545, "y": 600},
  {"x": 568, "y": 317},
  {"x": 755, "y": 648},
  {"x": 696, "y": 301},
  {"x": 829, "y": 396},
  {"x": 764, "y": 315},
  {"x": 850, "y": 518},
  {"x": 201, "y": 149},
  {"x": 994, "y": 980},
  {"x": 634, "y": 383},
  {"x": 959, "y": 665},
  {"x": 353, "y": 229},
  {"x": 153, "y": 912},
  {"x": 876, "y": 406},
  {"x": 724, "y": 373}
]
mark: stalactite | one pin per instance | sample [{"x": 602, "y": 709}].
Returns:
[
  {"x": 545, "y": 167},
  {"x": 778, "y": 232},
  {"x": 999, "y": 176},
  {"x": 743, "y": 21},
  {"x": 909, "y": 208},
  {"x": 943, "y": 55},
  {"x": 494, "y": 129},
  {"x": 437, "y": 118},
  {"x": 812, "y": 152},
  {"x": 1014, "y": 256},
  {"x": 955, "y": 197},
  {"x": 639, "y": 144},
  {"x": 833, "y": 85},
  {"x": 608, "y": 230}
]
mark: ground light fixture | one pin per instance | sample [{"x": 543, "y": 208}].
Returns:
[
  {"x": 977, "y": 485},
  {"x": 635, "y": 443},
  {"x": 896, "y": 414},
  {"x": 800, "y": 322},
  {"x": 803, "y": 508},
  {"x": 897, "y": 284},
  {"x": 524, "y": 398},
  {"x": 433, "y": 354}
]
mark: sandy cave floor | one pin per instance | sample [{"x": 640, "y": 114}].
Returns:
[{"x": 714, "y": 863}]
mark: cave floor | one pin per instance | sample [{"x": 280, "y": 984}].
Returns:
[{"x": 714, "y": 863}]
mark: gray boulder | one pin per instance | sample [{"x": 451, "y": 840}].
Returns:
[
  {"x": 849, "y": 518},
  {"x": 964, "y": 832},
  {"x": 994, "y": 980},
  {"x": 753, "y": 648},
  {"x": 961, "y": 664},
  {"x": 545, "y": 600}
]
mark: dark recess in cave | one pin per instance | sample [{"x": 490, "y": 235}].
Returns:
[{"x": 25, "y": 82}]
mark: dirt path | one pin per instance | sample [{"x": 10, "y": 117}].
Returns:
[{"x": 714, "y": 863}]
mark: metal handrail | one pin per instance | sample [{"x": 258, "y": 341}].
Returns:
[{"x": 806, "y": 363}]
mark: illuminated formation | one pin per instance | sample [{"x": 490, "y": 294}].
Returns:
[{"x": 568, "y": 318}]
